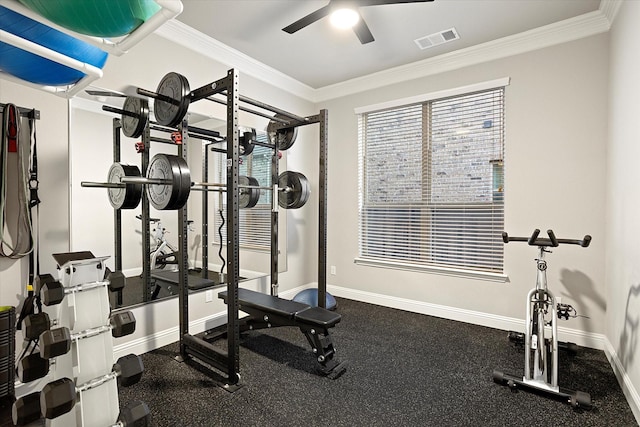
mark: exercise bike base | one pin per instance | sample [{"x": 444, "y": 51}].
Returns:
[{"x": 577, "y": 399}]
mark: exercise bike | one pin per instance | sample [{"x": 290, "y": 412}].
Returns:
[
  {"x": 162, "y": 252},
  {"x": 541, "y": 350}
]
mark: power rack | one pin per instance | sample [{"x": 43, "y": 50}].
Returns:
[{"x": 191, "y": 346}]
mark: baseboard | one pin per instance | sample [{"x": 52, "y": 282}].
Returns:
[
  {"x": 585, "y": 339},
  {"x": 629, "y": 390},
  {"x": 168, "y": 336}
]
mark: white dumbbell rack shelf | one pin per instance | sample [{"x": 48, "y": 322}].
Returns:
[{"x": 85, "y": 307}]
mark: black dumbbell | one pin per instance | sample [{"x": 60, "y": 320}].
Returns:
[
  {"x": 122, "y": 324},
  {"x": 136, "y": 414},
  {"x": 26, "y": 409},
  {"x": 52, "y": 293},
  {"x": 56, "y": 342},
  {"x": 32, "y": 367},
  {"x": 36, "y": 324},
  {"x": 116, "y": 279},
  {"x": 60, "y": 396},
  {"x": 40, "y": 281}
]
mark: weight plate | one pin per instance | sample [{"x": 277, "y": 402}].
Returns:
[
  {"x": 246, "y": 142},
  {"x": 134, "y": 126},
  {"x": 283, "y": 138},
  {"x": 129, "y": 196},
  {"x": 294, "y": 190},
  {"x": 185, "y": 183},
  {"x": 174, "y": 194},
  {"x": 248, "y": 197},
  {"x": 176, "y": 87}
]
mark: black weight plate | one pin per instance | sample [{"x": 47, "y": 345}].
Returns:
[
  {"x": 176, "y": 87},
  {"x": 294, "y": 190},
  {"x": 248, "y": 197},
  {"x": 171, "y": 195},
  {"x": 185, "y": 182},
  {"x": 246, "y": 142},
  {"x": 134, "y": 126},
  {"x": 283, "y": 138},
  {"x": 129, "y": 196}
]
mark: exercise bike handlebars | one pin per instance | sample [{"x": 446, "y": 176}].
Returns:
[{"x": 552, "y": 240}]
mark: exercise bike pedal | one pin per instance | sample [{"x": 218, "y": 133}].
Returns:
[
  {"x": 580, "y": 400},
  {"x": 516, "y": 337}
]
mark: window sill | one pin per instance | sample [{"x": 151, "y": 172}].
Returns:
[{"x": 492, "y": 277}]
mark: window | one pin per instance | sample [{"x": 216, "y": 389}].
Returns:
[
  {"x": 432, "y": 183},
  {"x": 255, "y": 223}
]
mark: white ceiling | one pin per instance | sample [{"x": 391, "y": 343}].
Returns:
[{"x": 319, "y": 56}]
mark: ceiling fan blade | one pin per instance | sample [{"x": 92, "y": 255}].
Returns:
[
  {"x": 362, "y": 31},
  {"x": 383, "y": 2},
  {"x": 307, "y": 20}
]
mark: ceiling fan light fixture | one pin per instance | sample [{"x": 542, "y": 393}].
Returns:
[{"x": 344, "y": 18}]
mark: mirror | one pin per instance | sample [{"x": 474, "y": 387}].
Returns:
[{"x": 92, "y": 219}]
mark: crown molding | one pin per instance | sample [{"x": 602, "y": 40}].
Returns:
[
  {"x": 199, "y": 42},
  {"x": 610, "y": 9},
  {"x": 585, "y": 25},
  {"x": 549, "y": 35}
]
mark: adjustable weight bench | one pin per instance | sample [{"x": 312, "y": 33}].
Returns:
[{"x": 266, "y": 311}]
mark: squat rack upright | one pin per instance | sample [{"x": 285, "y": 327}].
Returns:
[{"x": 191, "y": 346}]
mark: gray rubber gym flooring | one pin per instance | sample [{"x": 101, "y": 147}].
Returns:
[{"x": 404, "y": 369}]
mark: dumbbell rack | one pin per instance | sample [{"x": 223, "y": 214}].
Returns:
[{"x": 84, "y": 305}]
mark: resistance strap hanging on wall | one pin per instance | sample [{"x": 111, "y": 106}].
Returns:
[
  {"x": 19, "y": 173},
  {"x": 18, "y": 243}
]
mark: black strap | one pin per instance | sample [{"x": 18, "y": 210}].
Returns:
[{"x": 34, "y": 256}]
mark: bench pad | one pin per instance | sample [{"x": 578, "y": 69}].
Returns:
[
  {"x": 318, "y": 316},
  {"x": 267, "y": 303}
]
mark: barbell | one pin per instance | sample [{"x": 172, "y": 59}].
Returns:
[
  {"x": 168, "y": 184},
  {"x": 171, "y": 102},
  {"x": 135, "y": 116}
]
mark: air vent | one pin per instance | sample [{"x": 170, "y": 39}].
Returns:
[{"x": 436, "y": 39}]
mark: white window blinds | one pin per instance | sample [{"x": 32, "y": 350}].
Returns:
[
  {"x": 255, "y": 223},
  {"x": 432, "y": 183}
]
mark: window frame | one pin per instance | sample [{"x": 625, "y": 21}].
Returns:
[{"x": 425, "y": 101}]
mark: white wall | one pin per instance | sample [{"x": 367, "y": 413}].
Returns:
[
  {"x": 555, "y": 148},
  {"x": 623, "y": 202},
  {"x": 91, "y": 155},
  {"x": 53, "y": 173}
]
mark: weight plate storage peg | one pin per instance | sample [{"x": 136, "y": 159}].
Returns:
[
  {"x": 172, "y": 104},
  {"x": 294, "y": 190},
  {"x": 174, "y": 192},
  {"x": 128, "y": 196},
  {"x": 133, "y": 124},
  {"x": 283, "y": 138}
]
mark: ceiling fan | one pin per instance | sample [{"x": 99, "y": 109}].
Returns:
[{"x": 359, "y": 27}]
